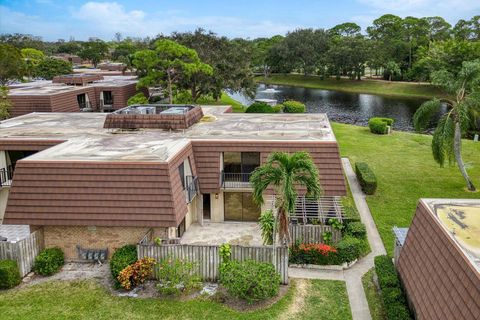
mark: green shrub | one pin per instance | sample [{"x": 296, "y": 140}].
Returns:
[
  {"x": 356, "y": 229},
  {"x": 139, "y": 98},
  {"x": 9, "y": 274},
  {"x": 349, "y": 249},
  {"x": 366, "y": 177},
  {"x": 350, "y": 212},
  {"x": 122, "y": 258},
  {"x": 49, "y": 261},
  {"x": 176, "y": 276},
  {"x": 387, "y": 276},
  {"x": 379, "y": 125},
  {"x": 259, "y": 107},
  {"x": 225, "y": 252},
  {"x": 278, "y": 108},
  {"x": 292, "y": 106},
  {"x": 250, "y": 280},
  {"x": 392, "y": 294}
]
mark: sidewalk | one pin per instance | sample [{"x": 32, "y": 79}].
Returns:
[{"x": 352, "y": 276}]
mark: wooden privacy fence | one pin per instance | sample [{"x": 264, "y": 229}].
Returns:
[
  {"x": 207, "y": 257},
  {"x": 312, "y": 233},
  {"x": 24, "y": 251}
]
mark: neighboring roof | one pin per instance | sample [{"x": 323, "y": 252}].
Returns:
[
  {"x": 88, "y": 140},
  {"x": 400, "y": 234},
  {"x": 46, "y": 87},
  {"x": 460, "y": 218}
]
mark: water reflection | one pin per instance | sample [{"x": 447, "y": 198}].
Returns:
[{"x": 354, "y": 108}]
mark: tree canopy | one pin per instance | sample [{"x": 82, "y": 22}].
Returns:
[
  {"x": 94, "y": 51},
  {"x": 12, "y": 65},
  {"x": 168, "y": 64}
]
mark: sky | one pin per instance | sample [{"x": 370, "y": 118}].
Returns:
[{"x": 57, "y": 19}]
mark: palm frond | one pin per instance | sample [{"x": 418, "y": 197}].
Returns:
[
  {"x": 262, "y": 177},
  {"x": 442, "y": 142},
  {"x": 424, "y": 114}
]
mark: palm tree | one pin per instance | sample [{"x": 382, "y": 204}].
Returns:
[
  {"x": 462, "y": 111},
  {"x": 284, "y": 172}
]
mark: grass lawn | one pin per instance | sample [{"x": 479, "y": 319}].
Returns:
[
  {"x": 88, "y": 300},
  {"x": 225, "y": 100},
  {"x": 326, "y": 299},
  {"x": 409, "y": 89},
  {"x": 374, "y": 299},
  {"x": 406, "y": 171}
]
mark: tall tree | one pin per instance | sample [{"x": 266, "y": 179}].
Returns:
[
  {"x": 94, "y": 51},
  {"x": 12, "y": 65},
  {"x": 5, "y": 104},
  {"x": 447, "y": 138},
  {"x": 230, "y": 60},
  {"x": 347, "y": 29},
  {"x": 306, "y": 49},
  {"x": 261, "y": 49},
  {"x": 51, "y": 67},
  {"x": 438, "y": 29},
  {"x": 284, "y": 173},
  {"x": 32, "y": 58},
  {"x": 168, "y": 64},
  {"x": 468, "y": 29}
]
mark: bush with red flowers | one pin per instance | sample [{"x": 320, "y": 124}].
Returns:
[{"x": 136, "y": 273}]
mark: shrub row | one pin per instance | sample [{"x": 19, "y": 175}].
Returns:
[
  {"x": 259, "y": 107},
  {"x": 346, "y": 250},
  {"x": 9, "y": 274},
  {"x": 289, "y": 106},
  {"x": 250, "y": 280},
  {"x": 292, "y": 106},
  {"x": 366, "y": 177},
  {"x": 392, "y": 294},
  {"x": 356, "y": 229},
  {"x": 379, "y": 125},
  {"x": 49, "y": 261}
]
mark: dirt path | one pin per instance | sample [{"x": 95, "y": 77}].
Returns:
[{"x": 302, "y": 287}]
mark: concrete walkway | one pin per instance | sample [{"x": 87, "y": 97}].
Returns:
[{"x": 352, "y": 276}]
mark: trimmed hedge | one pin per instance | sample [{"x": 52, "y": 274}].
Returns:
[
  {"x": 259, "y": 107},
  {"x": 49, "y": 261},
  {"x": 292, "y": 106},
  {"x": 9, "y": 274},
  {"x": 278, "y": 108},
  {"x": 122, "y": 258},
  {"x": 366, "y": 177},
  {"x": 379, "y": 125},
  {"x": 250, "y": 280},
  {"x": 356, "y": 229},
  {"x": 393, "y": 296}
]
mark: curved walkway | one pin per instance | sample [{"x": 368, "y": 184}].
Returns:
[{"x": 352, "y": 276}]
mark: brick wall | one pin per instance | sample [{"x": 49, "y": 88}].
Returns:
[{"x": 68, "y": 237}]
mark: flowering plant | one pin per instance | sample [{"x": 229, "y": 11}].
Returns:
[
  {"x": 323, "y": 249},
  {"x": 136, "y": 273}
]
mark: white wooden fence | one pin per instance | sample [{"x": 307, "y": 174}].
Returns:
[
  {"x": 207, "y": 257},
  {"x": 312, "y": 233},
  {"x": 24, "y": 251}
]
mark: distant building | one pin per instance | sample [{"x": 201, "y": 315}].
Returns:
[
  {"x": 72, "y": 58},
  {"x": 439, "y": 259},
  {"x": 72, "y": 93}
]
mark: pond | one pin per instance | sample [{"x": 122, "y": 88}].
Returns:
[{"x": 344, "y": 107}]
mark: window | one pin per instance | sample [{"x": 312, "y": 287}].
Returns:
[
  {"x": 107, "y": 97},
  {"x": 181, "y": 171},
  {"x": 240, "y": 162},
  {"x": 82, "y": 101}
]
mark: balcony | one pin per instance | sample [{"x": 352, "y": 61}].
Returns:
[
  {"x": 235, "y": 180},
  {"x": 6, "y": 176},
  {"x": 191, "y": 188}
]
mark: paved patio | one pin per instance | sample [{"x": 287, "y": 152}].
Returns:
[{"x": 216, "y": 233}]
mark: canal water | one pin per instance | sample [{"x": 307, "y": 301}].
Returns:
[{"x": 344, "y": 107}]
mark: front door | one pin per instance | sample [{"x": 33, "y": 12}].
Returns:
[
  {"x": 239, "y": 206},
  {"x": 206, "y": 207}
]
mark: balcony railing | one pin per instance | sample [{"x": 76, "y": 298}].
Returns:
[
  {"x": 6, "y": 176},
  {"x": 191, "y": 188},
  {"x": 235, "y": 180}
]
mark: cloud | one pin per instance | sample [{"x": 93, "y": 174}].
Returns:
[
  {"x": 451, "y": 10},
  {"x": 18, "y": 22},
  {"x": 107, "y": 18}
]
